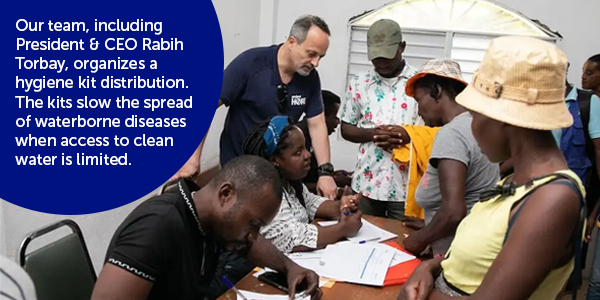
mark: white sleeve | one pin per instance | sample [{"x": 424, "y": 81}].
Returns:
[
  {"x": 287, "y": 232},
  {"x": 312, "y": 202}
]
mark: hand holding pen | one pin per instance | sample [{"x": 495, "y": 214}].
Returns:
[
  {"x": 349, "y": 202},
  {"x": 350, "y": 222}
]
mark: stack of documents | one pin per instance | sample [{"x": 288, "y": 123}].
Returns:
[
  {"x": 368, "y": 233},
  {"x": 360, "y": 260},
  {"x": 308, "y": 260},
  {"x": 400, "y": 256},
  {"x": 356, "y": 263}
]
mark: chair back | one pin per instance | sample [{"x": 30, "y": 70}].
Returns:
[{"x": 61, "y": 269}]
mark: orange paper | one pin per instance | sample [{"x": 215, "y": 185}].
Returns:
[{"x": 400, "y": 273}]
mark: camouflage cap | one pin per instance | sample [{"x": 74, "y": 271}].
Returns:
[{"x": 383, "y": 39}]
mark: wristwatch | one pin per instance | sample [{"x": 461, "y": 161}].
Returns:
[{"x": 325, "y": 169}]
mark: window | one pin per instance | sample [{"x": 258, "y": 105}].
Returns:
[{"x": 459, "y": 29}]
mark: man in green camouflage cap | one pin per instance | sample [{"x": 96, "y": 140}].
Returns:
[
  {"x": 376, "y": 104},
  {"x": 385, "y": 47}
]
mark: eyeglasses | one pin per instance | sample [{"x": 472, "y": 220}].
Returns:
[{"x": 282, "y": 97}]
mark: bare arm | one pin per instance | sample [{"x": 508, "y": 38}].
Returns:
[
  {"x": 329, "y": 210},
  {"x": 452, "y": 176},
  {"x": 348, "y": 226},
  {"x": 332, "y": 210},
  {"x": 265, "y": 254},
  {"x": 319, "y": 138},
  {"x": 115, "y": 283},
  {"x": 506, "y": 167},
  {"x": 327, "y": 235},
  {"x": 332, "y": 234},
  {"x": 354, "y": 134},
  {"x": 320, "y": 141}
]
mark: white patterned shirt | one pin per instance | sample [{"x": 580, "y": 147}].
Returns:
[
  {"x": 371, "y": 101},
  {"x": 291, "y": 227}
]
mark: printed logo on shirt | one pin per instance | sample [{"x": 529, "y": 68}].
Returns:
[{"x": 298, "y": 100}]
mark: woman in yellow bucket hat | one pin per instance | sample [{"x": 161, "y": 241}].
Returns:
[{"x": 521, "y": 239}]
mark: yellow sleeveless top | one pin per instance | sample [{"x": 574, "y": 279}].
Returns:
[{"x": 480, "y": 237}]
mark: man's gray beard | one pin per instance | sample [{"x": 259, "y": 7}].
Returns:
[{"x": 302, "y": 73}]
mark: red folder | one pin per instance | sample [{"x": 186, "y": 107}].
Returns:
[{"x": 400, "y": 273}]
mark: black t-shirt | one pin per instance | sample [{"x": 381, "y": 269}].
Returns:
[{"x": 160, "y": 241}]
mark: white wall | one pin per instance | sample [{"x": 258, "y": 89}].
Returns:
[
  {"x": 239, "y": 21},
  {"x": 576, "y": 20}
]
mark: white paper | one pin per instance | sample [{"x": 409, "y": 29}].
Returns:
[
  {"x": 328, "y": 223},
  {"x": 305, "y": 255},
  {"x": 309, "y": 260},
  {"x": 356, "y": 263},
  {"x": 309, "y": 263},
  {"x": 368, "y": 233},
  {"x": 259, "y": 296},
  {"x": 399, "y": 256}
]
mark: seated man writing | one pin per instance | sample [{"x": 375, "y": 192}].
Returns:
[{"x": 168, "y": 247}]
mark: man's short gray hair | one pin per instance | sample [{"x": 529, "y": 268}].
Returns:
[{"x": 303, "y": 24}]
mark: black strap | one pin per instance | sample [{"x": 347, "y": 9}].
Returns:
[
  {"x": 584, "y": 99},
  {"x": 577, "y": 239},
  {"x": 297, "y": 185},
  {"x": 527, "y": 196}
]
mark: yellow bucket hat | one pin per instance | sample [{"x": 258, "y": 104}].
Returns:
[{"x": 521, "y": 82}]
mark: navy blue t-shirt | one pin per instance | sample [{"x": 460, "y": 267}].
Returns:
[{"x": 250, "y": 91}]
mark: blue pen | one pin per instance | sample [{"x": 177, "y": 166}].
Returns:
[
  {"x": 231, "y": 286},
  {"x": 346, "y": 211},
  {"x": 369, "y": 240}
]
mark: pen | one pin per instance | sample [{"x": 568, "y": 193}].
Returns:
[
  {"x": 346, "y": 211},
  {"x": 231, "y": 286},
  {"x": 369, "y": 240}
]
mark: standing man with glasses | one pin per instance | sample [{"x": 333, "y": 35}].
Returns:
[{"x": 278, "y": 80}]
